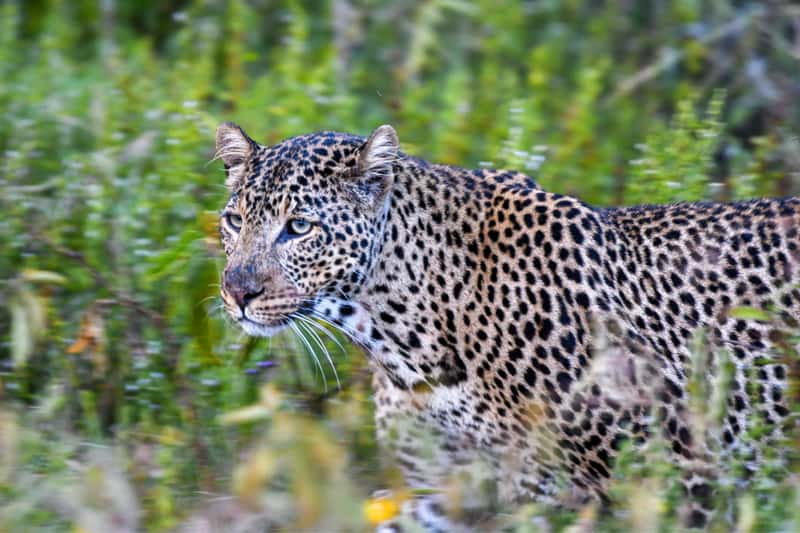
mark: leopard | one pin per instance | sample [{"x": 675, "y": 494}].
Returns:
[{"x": 517, "y": 338}]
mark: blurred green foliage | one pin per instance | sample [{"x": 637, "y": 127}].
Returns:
[{"x": 128, "y": 402}]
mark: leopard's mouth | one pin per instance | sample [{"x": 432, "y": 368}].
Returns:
[
  {"x": 262, "y": 329},
  {"x": 263, "y": 317}
]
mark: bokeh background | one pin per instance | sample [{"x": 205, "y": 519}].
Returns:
[{"x": 127, "y": 403}]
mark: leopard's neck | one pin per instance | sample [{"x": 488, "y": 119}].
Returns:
[{"x": 428, "y": 266}]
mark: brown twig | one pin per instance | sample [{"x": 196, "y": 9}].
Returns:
[{"x": 119, "y": 297}]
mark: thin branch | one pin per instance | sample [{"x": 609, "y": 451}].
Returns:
[
  {"x": 119, "y": 297},
  {"x": 670, "y": 57}
]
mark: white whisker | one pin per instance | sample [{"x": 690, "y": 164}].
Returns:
[
  {"x": 305, "y": 342},
  {"x": 324, "y": 330},
  {"x": 207, "y": 298},
  {"x": 322, "y": 346},
  {"x": 352, "y": 335},
  {"x": 216, "y": 310}
]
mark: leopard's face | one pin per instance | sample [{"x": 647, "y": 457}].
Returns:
[{"x": 303, "y": 221}]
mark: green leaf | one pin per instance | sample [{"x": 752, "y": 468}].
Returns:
[
  {"x": 21, "y": 334},
  {"x": 172, "y": 259},
  {"x": 749, "y": 313},
  {"x": 27, "y": 324},
  {"x": 43, "y": 276}
]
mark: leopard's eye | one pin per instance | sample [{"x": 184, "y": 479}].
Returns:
[
  {"x": 234, "y": 221},
  {"x": 298, "y": 226}
]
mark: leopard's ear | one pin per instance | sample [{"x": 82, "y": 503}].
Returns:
[
  {"x": 234, "y": 148},
  {"x": 374, "y": 172}
]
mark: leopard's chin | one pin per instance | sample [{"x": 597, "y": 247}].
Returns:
[{"x": 257, "y": 329}]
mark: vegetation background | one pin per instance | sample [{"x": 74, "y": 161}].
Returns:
[{"x": 126, "y": 401}]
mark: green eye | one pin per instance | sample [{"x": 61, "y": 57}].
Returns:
[
  {"x": 298, "y": 226},
  {"x": 234, "y": 221}
]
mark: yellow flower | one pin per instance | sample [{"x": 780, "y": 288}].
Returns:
[{"x": 381, "y": 509}]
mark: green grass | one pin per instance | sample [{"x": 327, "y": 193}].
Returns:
[{"x": 129, "y": 402}]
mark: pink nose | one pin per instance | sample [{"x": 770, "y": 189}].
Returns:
[{"x": 242, "y": 284}]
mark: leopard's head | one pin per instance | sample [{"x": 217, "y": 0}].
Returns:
[{"x": 304, "y": 220}]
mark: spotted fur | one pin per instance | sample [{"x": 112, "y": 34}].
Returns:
[{"x": 514, "y": 329}]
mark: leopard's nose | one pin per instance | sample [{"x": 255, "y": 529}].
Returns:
[
  {"x": 241, "y": 286},
  {"x": 242, "y": 298}
]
